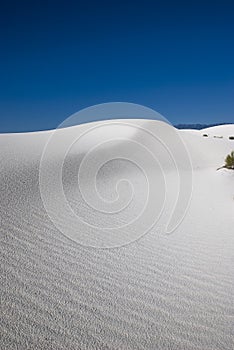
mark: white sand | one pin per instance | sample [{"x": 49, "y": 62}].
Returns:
[{"x": 159, "y": 292}]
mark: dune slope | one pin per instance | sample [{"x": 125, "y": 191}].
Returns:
[{"x": 159, "y": 292}]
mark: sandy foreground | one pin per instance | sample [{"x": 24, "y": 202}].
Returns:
[{"x": 140, "y": 288}]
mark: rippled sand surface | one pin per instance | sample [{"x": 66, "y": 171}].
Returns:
[{"x": 159, "y": 292}]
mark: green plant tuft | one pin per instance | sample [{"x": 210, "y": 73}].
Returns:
[{"x": 229, "y": 162}]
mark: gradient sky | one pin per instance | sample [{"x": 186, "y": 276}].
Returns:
[{"x": 58, "y": 57}]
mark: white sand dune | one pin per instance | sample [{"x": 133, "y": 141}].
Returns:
[{"x": 159, "y": 292}]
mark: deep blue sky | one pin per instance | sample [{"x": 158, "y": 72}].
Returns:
[{"x": 58, "y": 57}]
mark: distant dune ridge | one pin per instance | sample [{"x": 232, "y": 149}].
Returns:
[{"x": 159, "y": 292}]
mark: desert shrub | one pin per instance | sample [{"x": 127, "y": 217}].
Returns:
[{"x": 229, "y": 162}]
